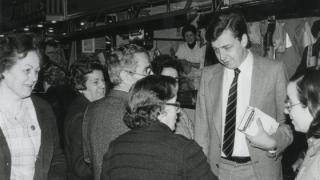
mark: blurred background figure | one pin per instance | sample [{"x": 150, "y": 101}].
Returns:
[
  {"x": 150, "y": 150},
  {"x": 191, "y": 55},
  {"x": 30, "y": 141},
  {"x": 303, "y": 107},
  {"x": 168, "y": 66},
  {"x": 87, "y": 78},
  {"x": 55, "y": 91},
  {"x": 310, "y": 56}
]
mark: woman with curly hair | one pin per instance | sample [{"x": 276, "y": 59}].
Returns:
[
  {"x": 28, "y": 136},
  {"x": 303, "y": 107},
  {"x": 150, "y": 150},
  {"x": 87, "y": 78}
]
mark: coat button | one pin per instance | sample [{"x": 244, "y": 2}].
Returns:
[
  {"x": 217, "y": 165},
  {"x": 33, "y": 127},
  {"x": 219, "y": 145},
  {"x": 7, "y": 164}
]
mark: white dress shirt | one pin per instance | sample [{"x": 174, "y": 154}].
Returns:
[{"x": 243, "y": 100}]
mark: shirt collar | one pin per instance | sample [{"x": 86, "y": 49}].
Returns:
[
  {"x": 246, "y": 64},
  {"x": 314, "y": 146}
]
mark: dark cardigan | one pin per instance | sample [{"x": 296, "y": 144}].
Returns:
[
  {"x": 77, "y": 167},
  {"x": 154, "y": 152},
  {"x": 50, "y": 163}
]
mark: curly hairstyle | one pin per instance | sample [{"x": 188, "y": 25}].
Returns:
[
  {"x": 122, "y": 58},
  {"x": 165, "y": 61},
  {"x": 77, "y": 75},
  {"x": 16, "y": 46},
  {"x": 234, "y": 21},
  {"x": 189, "y": 28},
  {"x": 308, "y": 87},
  {"x": 54, "y": 73},
  {"x": 147, "y": 99}
]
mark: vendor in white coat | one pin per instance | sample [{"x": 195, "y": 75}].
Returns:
[{"x": 191, "y": 55}]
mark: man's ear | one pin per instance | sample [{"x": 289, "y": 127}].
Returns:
[
  {"x": 124, "y": 76},
  {"x": 244, "y": 40},
  {"x": 162, "y": 115}
]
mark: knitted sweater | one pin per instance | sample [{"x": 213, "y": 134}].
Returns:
[{"x": 154, "y": 152}]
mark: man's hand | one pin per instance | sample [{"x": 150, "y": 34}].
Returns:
[
  {"x": 297, "y": 164},
  {"x": 262, "y": 139}
]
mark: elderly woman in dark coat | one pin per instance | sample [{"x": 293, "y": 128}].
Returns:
[
  {"x": 28, "y": 136},
  {"x": 86, "y": 77},
  {"x": 150, "y": 150}
]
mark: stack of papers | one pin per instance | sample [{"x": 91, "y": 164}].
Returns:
[{"x": 249, "y": 125}]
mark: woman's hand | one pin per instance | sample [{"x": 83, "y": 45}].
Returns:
[{"x": 186, "y": 65}]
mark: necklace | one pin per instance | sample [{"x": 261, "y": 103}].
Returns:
[
  {"x": 15, "y": 117},
  {"x": 11, "y": 112}
]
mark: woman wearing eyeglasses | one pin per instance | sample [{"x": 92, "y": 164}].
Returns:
[
  {"x": 150, "y": 150},
  {"x": 303, "y": 107}
]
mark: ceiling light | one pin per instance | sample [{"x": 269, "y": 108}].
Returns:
[{"x": 53, "y": 22}]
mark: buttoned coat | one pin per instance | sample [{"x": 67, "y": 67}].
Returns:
[
  {"x": 268, "y": 93},
  {"x": 102, "y": 123},
  {"x": 51, "y": 163}
]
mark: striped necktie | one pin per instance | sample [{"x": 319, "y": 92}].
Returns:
[{"x": 230, "y": 122}]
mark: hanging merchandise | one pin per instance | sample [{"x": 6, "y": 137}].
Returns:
[
  {"x": 156, "y": 52},
  {"x": 279, "y": 38},
  {"x": 303, "y": 36},
  {"x": 254, "y": 32}
]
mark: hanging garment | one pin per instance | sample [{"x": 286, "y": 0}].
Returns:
[{"x": 303, "y": 36}]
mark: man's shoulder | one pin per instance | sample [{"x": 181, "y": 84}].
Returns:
[
  {"x": 212, "y": 68},
  {"x": 265, "y": 60}
]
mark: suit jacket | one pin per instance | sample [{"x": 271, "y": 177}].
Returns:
[
  {"x": 153, "y": 152},
  {"x": 268, "y": 93},
  {"x": 50, "y": 163},
  {"x": 103, "y": 122},
  {"x": 77, "y": 167}
]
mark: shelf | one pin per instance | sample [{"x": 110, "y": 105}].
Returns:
[{"x": 158, "y": 21}]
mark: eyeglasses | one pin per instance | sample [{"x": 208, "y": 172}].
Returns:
[
  {"x": 148, "y": 73},
  {"x": 177, "y": 105},
  {"x": 288, "y": 105}
]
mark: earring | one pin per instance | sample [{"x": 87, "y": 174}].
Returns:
[{"x": 2, "y": 76}]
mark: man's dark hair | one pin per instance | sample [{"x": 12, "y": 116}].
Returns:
[{"x": 234, "y": 21}]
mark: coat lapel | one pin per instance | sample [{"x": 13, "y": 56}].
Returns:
[
  {"x": 259, "y": 82},
  {"x": 215, "y": 105}
]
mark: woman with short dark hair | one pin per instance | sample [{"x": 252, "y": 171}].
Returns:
[
  {"x": 87, "y": 78},
  {"x": 303, "y": 107},
  {"x": 168, "y": 66},
  {"x": 150, "y": 150},
  {"x": 191, "y": 55},
  {"x": 28, "y": 132}
]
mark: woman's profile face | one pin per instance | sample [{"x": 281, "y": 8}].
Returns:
[
  {"x": 300, "y": 115},
  {"x": 189, "y": 37},
  {"x": 21, "y": 78},
  {"x": 95, "y": 86},
  {"x": 168, "y": 115}
]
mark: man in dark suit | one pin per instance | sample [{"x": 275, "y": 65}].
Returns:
[
  {"x": 241, "y": 79},
  {"x": 103, "y": 121}
]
